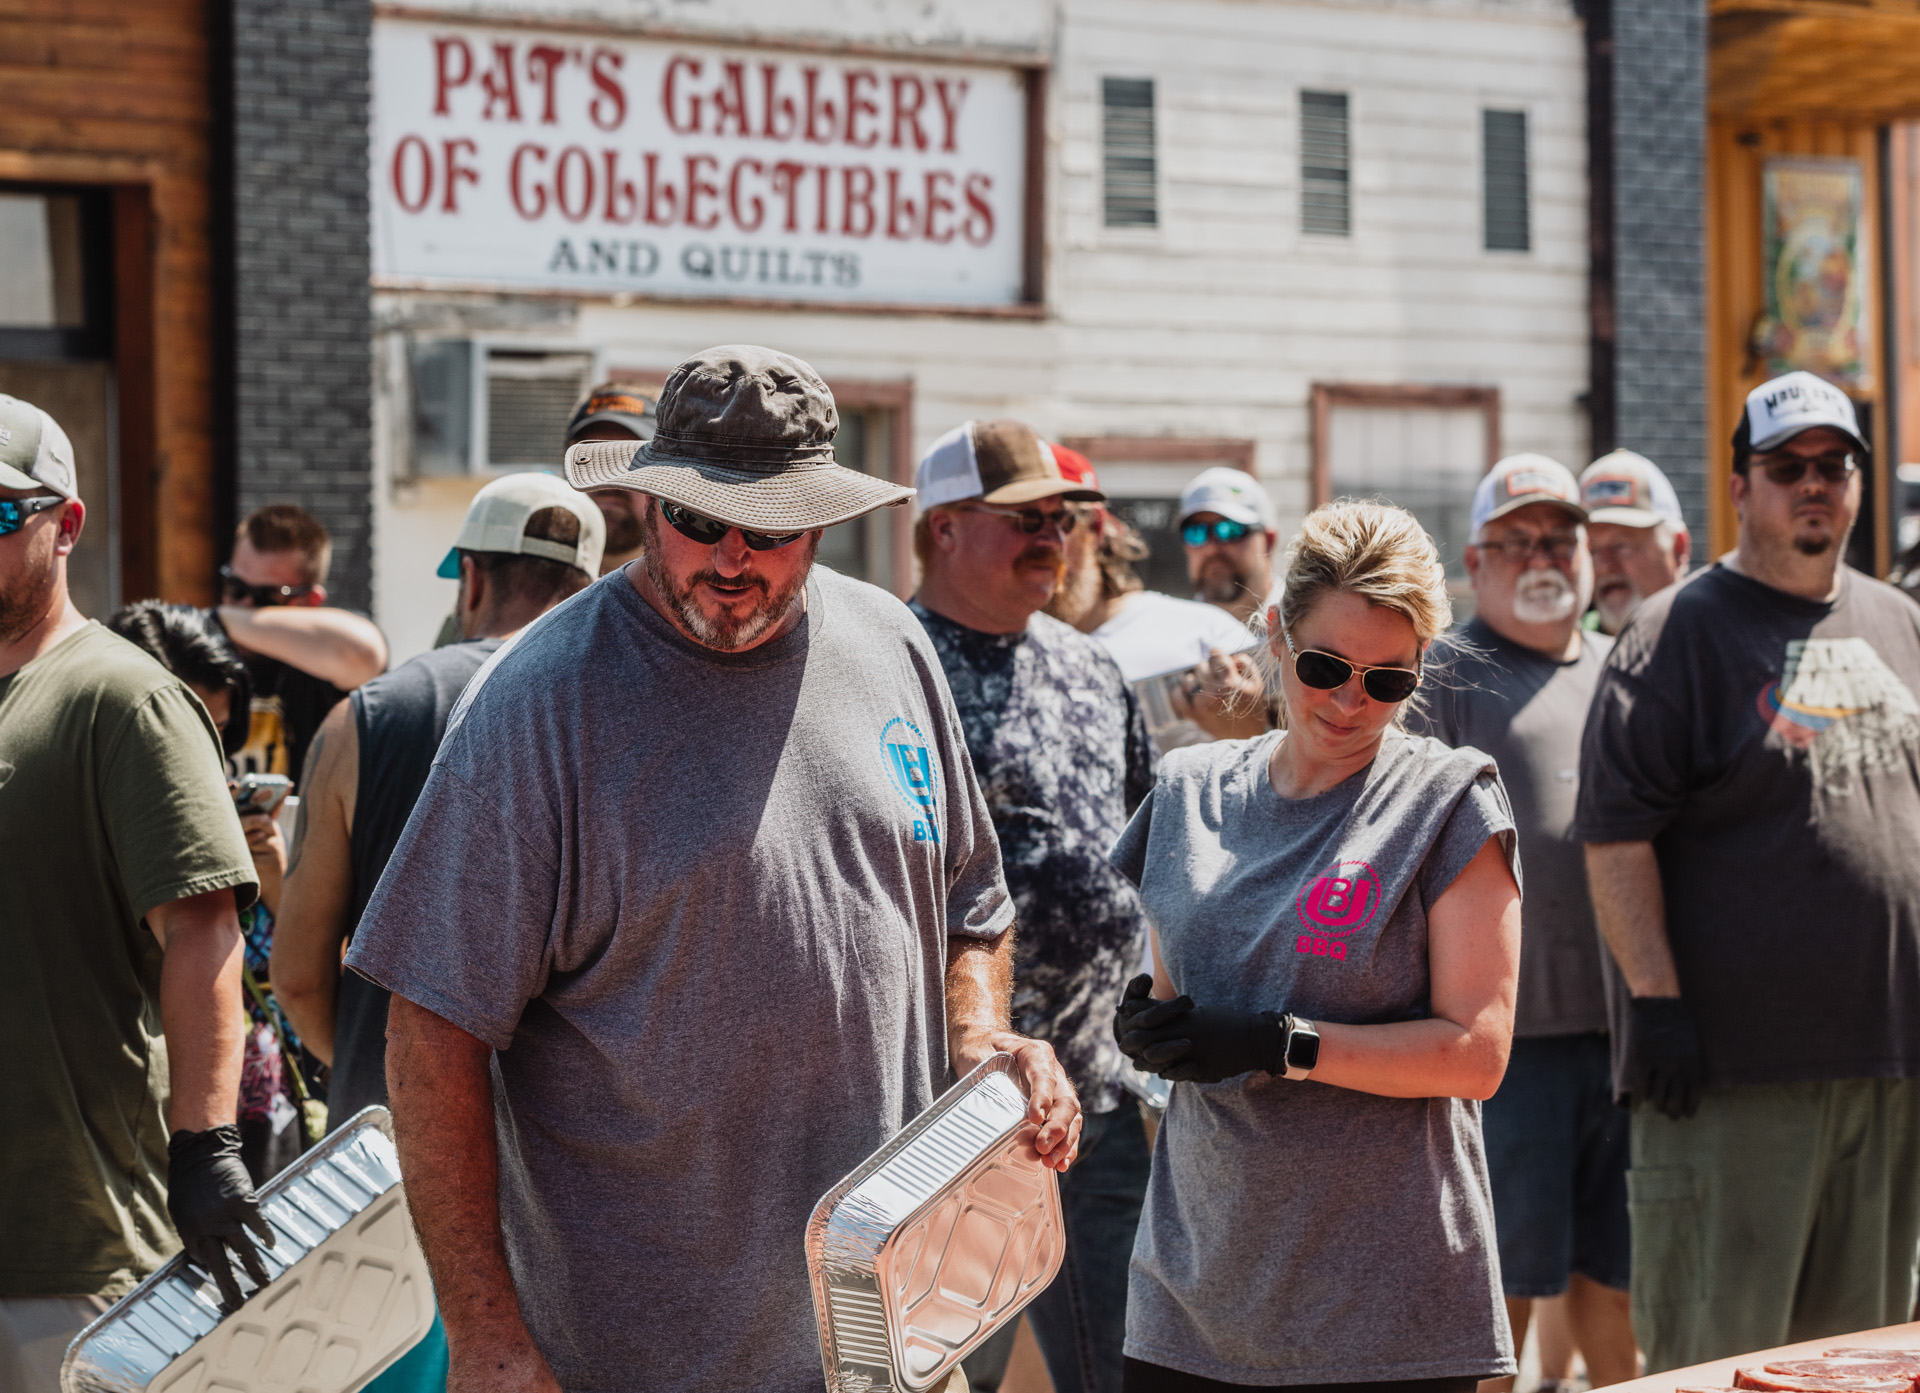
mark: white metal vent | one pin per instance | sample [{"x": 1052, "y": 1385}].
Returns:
[{"x": 530, "y": 395}]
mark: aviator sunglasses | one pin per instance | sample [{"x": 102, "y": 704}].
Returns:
[
  {"x": 14, "y": 512},
  {"x": 236, "y": 591},
  {"x": 708, "y": 531},
  {"x": 1326, "y": 673},
  {"x": 1195, "y": 534}
]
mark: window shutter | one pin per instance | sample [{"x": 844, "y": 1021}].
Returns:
[
  {"x": 1324, "y": 200},
  {"x": 1503, "y": 157},
  {"x": 1126, "y": 134}
]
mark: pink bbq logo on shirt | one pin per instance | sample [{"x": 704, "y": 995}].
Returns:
[{"x": 1335, "y": 903}]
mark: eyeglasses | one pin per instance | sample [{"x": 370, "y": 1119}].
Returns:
[
  {"x": 1031, "y": 520},
  {"x": 1559, "y": 548},
  {"x": 237, "y": 592},
  {"x": 1326, "y": 673},
  {"x": 696, "y": 527},
  {"x": 1788, "y": 470},
  {"x": 14, "y": 512},
  {"x": 1196, "y": 534}
]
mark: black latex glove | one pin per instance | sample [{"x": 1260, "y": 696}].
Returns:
[
  {"x": 1664, "y": 1065},
  {"x": 1204, "y": 1044},
  {"x": 1135, "y": 1000},
  {"x": 210, "y": 1197}
]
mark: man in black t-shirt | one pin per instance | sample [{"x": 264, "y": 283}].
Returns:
[
  {"x": 1750, "y": 797},
  {"x": 304, "y": 656}
]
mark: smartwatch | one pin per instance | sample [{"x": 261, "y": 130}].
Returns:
[{"x": 1302, "y": 1050}]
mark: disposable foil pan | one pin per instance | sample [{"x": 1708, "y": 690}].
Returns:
[
  {"x": 936, "y": 1241},
  {"x": 348, "y": 1291}
]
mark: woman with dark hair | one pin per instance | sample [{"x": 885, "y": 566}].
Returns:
[{"x": 186, "y": 642}]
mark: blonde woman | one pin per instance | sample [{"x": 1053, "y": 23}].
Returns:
[{"x": 1337, "y": 905}]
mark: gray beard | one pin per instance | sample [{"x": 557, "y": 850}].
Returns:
[{"x": 727, "y": 635}]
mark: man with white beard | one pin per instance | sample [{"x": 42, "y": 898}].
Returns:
[
  {"x": 1516, "y": 683},
  {"x": 1636, "y": 532}
]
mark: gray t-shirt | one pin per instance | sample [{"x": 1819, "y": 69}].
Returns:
[
  {"x": 1298, "y": 1232},
  {"x": 699, "y": 905},
  {"x": 1527, "y": 710}
]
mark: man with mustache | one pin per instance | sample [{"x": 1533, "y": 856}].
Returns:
[
  {"x": 1750, "y": 800},
  {"x": 1516, "y": 683},
  {"x": 1636, "y": 532},
  {"x": 1060, "y": 748},
  {"x": 699, "y": 905}
]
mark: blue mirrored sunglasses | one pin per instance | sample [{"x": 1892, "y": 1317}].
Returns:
[
  {"x": 14, "y": 512},
  {"x": 1196, "y": 534}
]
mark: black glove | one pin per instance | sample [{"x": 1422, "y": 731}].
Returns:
[
  {"x": 1203, "y": 1044},
  {"x": 1664, "y": 1066},
  {"x": 1134, "y": 1002},
  {"x": 210, "y": 1197}
]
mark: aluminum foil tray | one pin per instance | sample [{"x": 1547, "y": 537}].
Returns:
[
  {"x": 936, "y": 1241},
  {"x": 349, "y": 1292}
]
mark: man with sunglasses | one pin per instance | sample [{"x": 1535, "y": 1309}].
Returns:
[
  {"x": 120, "y": 1006},
  {"x": 1516, "y": 682},
  {"x": 699, "y": 905},
  {"x": 1750, "y": 797},
  {"x": 304, "y": 655},
  {"x": 1229, "y": 528},
  {"x": 1060, "y": 749}
]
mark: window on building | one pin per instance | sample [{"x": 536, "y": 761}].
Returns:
[
  {"x": 1503, "y": 180},
  {"x": 1324, "y": 201},
  {"x": 1126, "y": 138}
]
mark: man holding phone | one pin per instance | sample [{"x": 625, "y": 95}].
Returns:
[{"x": 110, "y": 786}]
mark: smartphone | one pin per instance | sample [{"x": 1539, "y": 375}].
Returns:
[{"x": 260, "y": 793}]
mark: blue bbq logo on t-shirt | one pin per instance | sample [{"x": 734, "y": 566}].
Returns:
[{"x": 911, "y": 766}]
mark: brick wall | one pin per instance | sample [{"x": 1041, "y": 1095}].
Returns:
[
  {"x": 1659, "y": 242},
  {"x": 302, "y": 330}
]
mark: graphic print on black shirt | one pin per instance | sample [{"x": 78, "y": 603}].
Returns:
[{"x": 1060, "y": 749}]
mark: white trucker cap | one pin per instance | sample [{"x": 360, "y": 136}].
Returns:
[
  {"x": 34, "y": 452},
  {"x": 1779, "y": 410},
  {"x": 1629, "y": 489},
  {"x": 497, "y": 521},
  {"x": 1232, "y": 493},
  {"x": 1519, "y": 480}
]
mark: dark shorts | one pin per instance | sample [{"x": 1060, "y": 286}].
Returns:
[
  {"x": 1153, "y": 1378},
  {"x": 1557, "y": 1155}
]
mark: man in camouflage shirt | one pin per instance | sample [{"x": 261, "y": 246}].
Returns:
[{"x": 1060, "y": 749}]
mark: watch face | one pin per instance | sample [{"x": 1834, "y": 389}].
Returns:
[{"x": 1303, "y": 1050}]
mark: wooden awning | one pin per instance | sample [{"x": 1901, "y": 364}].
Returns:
[{"x": 1814, "y": 59}]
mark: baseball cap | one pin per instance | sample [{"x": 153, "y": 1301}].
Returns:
[
  {"x": 497, "y": 521},
  {"x": 1780, "y": 409},
  {"x": 1075, "y": 467},
  {"x": 1519, "y": 480},
  {"x": 744, "y": 436},
  {"x": 995, "y": 462},
  {"x": 1629, "y": 490},
  {"x": 34, "y": 452},
  {"x": 1233, "y": 493},
  {"x": 613, "y": 404}
]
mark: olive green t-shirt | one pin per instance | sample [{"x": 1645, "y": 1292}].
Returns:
[{"x": 112, "y": 802}]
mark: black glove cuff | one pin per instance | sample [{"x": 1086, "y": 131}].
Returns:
[
  {"x": 1282, "y": 1023},
  {"x": 209, "y": 1145}
]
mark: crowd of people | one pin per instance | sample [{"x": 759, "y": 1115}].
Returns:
[{"x": 1381, "y": 986}]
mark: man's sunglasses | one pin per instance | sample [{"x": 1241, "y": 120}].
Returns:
[
  {"x": 1788, "y": 470},
  {"x": 237, "y": 592},
  {"x": 1326, "y": 673},
  {"x": 1197, "y": 534},
  {"x": 14, "y": 512},
  {"x": 1031, "y": 520},
  {"x": 708, "y": 531},
  {"x": 1558, "y": 548}
]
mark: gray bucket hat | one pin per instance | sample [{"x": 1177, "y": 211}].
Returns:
[{"x": 745, "y": 437}]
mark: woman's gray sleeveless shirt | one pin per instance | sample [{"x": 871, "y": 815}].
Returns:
[{"x": 1297, "y": 1232}]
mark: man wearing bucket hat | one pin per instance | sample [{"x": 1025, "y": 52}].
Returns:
[
  {"x": 120, "y": 1014},
  {"x": 1636, "y": 532},
  {"x": 1750, "y": 800},
  {"x": 702, "y": 869},
  {"x": 529, "y": 542}
]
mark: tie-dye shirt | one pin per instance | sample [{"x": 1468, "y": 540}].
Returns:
[{"x": 1060, "y": 749}]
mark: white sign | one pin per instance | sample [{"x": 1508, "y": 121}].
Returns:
[{"x": 516, "y": 158}]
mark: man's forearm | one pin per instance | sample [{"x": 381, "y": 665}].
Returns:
[
  {"x": 979, "y": 993},
  {"x": 330, "y": 644},
  {"x": 1631, "y": 907},
  {"x": 200, "y": 1008},
  {"x": 441, "y": 1097}
]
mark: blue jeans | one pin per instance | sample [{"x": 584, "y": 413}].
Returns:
[{"x": 1080, "y": 1321}]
